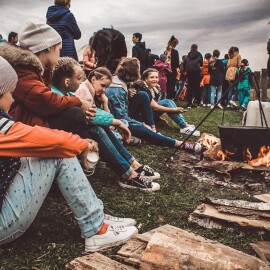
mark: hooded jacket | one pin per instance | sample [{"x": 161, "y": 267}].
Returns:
[
  {"x": 217, "y": 72},
  {"x": 193, "y": 61},
  {"x": 63, "y": 21},
  {"x": 117, "y": 94},
  {"x": 139, "y": 51},
  {"x": 34, "y": 102},
  {"x": 163, "y": 71}
]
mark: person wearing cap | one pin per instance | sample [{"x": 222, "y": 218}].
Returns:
[
  {"x": 27, "y": 171},
  {"x": 63, "y": 21}
]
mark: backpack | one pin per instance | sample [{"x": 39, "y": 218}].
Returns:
[{"x": 231, "y": 73}]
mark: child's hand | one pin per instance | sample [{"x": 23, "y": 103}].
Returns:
[
  {"x": 91, "y": 112},
  {"x": 92, "y": 147},
  {"x": 124, "y": 132},
  {"x": 132, "y": 92},
  {"x": 179, "y": 110},
  {"x": 201, "y": 84}
]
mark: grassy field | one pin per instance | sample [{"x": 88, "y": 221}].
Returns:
[{"x": 54, "y": 238}]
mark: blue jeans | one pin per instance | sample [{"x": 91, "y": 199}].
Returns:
[
  {"x": 232, "y": 91},
  {"x": 112, "y": 151},
  {"x": 140, "y": 131},
  {"x": 206, "y": 94},
  {"x": 30, "y": 187},
  {"x": 179, "y": 88},
  {"x": 140, "y": 108},
  {"x": 176, "y": 117},
  {"x": 216, "y": 91}
]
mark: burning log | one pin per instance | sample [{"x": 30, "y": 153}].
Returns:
[{"x": 263, "y": 158}]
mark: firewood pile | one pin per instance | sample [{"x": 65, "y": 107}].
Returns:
[
  {"x": 220, "y": 213},
  {"x": 171, "y": 248}
]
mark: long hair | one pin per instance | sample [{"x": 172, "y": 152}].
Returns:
[
  {"x": 129, "y": 70},
  {"x": 110, "y": 46},
  {"x": 99, "y": 73}
]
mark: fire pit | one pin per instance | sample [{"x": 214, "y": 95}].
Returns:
[{"x": 244, "y": 142}]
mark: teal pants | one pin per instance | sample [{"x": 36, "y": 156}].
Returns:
[{"x": 243, "y": 96}]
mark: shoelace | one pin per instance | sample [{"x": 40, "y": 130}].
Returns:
[
  {"x": 146, "y": 180},
  {"x": 148, "y": 169},
  {"x": 109, "y": 217},
  {"x": 117, "y": 229},
  {"x": 189, "y": 146}
]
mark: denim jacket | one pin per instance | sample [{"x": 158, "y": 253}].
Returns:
[{"x": 117, "y": 94}]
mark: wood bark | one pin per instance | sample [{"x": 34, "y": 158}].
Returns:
[
  {"x": 262, "y": 249},
  {"x": 181, "y": 250}
]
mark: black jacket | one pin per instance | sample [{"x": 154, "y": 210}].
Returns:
[
  {"x": 139, "y": 51},
  {"x": 217, "y": 72},
  {"x": 193, "y": 61}
]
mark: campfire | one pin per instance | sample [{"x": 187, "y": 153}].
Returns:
[{"x": 214, "y": 150}]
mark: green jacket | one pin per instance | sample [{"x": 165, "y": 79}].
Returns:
[{"x": 246, "y": 81}]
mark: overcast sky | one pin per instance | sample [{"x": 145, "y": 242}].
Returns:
[{"x": 212, "y": 24}]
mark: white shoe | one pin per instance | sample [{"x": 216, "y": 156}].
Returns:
[
  {"x": 189, "y": 129},
  {"x": 114, "y": 236},
  {"x": 116, "y": 221},
  {"x": 192, "y": 147},
  {"x": 208, "y": 105},
  {"x": 233, "y": 103},
  {"x": 228, "y": 106},
  {"x": 212, "y": 106},
  {"x": 220, "y": 106}
]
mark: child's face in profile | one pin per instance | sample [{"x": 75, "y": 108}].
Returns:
[
  {"x": 100, "y": 85},
  {"x": 75, "y": 81},
  {"x": 6, "y": 100}
]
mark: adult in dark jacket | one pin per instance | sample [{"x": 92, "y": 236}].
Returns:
[
  {"x": 63, "y": 21},
  {"x": 192, "y": 64},
  {"x": 217, "y": 74},
  {"x": 139, "y": 51},
  {"x": 173, "y": 60}
]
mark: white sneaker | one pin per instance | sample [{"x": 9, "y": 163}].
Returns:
[
  {"x": 211, "y": 107},
  {"x": 114, "y": 236},
  {"x": 208, "y": 105},
  {"x": 220, "y": 106},
  {"x": 116, "y": 221},
  {"x": 189, "y": 129},
  {"x": 192, "y": 147},
  {"x": 233, "y": 103}
]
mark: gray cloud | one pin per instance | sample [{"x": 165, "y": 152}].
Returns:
[{"x": 211, "y": 24}]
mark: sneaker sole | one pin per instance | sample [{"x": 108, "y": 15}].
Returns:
[
  {"x": 154, "y": 177},
  {"x": 143, "y": 189},
  {"x": 111, "y": 244}
]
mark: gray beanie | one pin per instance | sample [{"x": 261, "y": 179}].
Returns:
[
  {"x": 36, "y": 36},
  {"x": 8, "y": 76}
]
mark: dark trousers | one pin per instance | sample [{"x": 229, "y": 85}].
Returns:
[
  {"x": 194, "y": 91},
  {"x": 171, "y": 84},
  {"x": 71, "y": 120}
]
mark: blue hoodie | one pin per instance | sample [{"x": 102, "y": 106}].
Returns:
[{"x": 63, "y": 21}]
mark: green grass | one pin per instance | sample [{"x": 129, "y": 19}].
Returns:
[{"x": 54, "y": 238}]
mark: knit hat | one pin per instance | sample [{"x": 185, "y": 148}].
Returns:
[
  {"x": 37, "y": 37},
  {"x": 8, "y": 76}
]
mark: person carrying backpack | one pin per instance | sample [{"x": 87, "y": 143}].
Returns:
[{"x": 193, "y": 63}]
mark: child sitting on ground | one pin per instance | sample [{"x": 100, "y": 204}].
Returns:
[
  {"x": 243, "y": 87},
  {"x": 28, "y": 170}
]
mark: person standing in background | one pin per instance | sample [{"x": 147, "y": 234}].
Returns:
[
  {"x": 63, "y": 21},
  {"x": 13, "y": 38},
  {"x": 268, "y": 63},
  {"x": 173, "y": 60},
  {"x": 139, "y": 51}
]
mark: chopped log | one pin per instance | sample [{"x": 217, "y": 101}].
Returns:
[
  {"x": 263, "y": 197},
  {"x": 96, "y": 261},
  {"x": 219, "y": 166},
  {"x": 181, "y": 250},
  {"x": 239, "y": 204},
  {"x": 262, "y": 249},
  {"x": 207, "y": 210},
  {"x": 242, "y": 212},
  {"x": 205, "y": 222},
  {"x": 147, "y": 236},
  {"x": 133, "y": 251}
]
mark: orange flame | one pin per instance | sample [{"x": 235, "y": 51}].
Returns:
[
  {"x": 263, "y": 158},
  {"x": 223, "y": 156}
]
